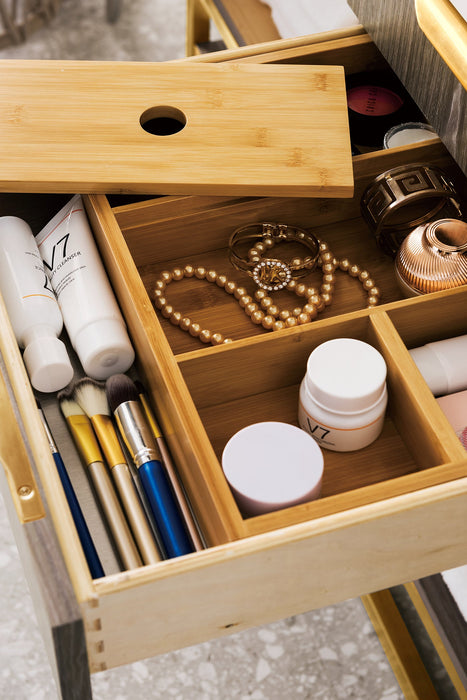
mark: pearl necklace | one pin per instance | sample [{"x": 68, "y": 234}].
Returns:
[{"x": 261, "y": 308}]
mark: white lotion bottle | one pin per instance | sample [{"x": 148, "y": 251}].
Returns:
[
  {"x": 343, "y": 396},
  {"x": 32, "y": 307},
  {"x": 90, "y": 311}
]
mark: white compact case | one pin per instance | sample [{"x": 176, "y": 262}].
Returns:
[
  {"x": 272, "y": 465},
  {"x": 343, "y": 396}
]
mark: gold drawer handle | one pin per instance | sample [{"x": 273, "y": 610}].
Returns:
[
  {"x": 16, "y": 463},
  {"x": 446, "y": 30}
]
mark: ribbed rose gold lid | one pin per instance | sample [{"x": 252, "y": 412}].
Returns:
[{"x": 433, "y": 257}]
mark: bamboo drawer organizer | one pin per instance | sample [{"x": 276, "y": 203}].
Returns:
[{"x": 390, "y": 513}]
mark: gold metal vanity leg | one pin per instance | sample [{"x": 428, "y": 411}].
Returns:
[
  {"x": 197, "y": 26},
  {"x": 413, "y": 590},
  {"x": 398, "y": 646}
]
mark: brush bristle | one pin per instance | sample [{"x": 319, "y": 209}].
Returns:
[
  {"x": 90, "y": 395},
  {"x": 120, "y": 389},
  {"x": 68, "y": 405},
  {"x": 139, "y": 387}
]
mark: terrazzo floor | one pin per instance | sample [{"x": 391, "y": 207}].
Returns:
[{"x": 327, "y": 654}]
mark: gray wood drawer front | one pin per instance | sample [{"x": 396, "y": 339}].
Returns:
[{"x": 394, "y": 28}]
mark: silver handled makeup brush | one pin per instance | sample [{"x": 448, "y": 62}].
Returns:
[
  {"x": 123, "y": 399},
  {"x": 166, "y": 459}
]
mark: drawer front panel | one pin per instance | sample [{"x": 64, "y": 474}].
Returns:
[{"x": 269, "y": 577}]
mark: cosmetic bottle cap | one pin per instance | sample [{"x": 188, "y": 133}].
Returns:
[
  {"x": 346, "y": 375},
  {"x": 104, "y": 348},
  {"x": 272, "y": 465},
  {"x": 48, "y": 364},
  {"x": 442, "y": 364}
]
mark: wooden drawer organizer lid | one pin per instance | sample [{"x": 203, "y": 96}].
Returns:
[{"x": 174, "y": 128}]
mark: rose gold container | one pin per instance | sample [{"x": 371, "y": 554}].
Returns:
[{"x": 433, "y": 257}]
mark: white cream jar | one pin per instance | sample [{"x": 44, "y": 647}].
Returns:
[{"x": 343, "y": 395}]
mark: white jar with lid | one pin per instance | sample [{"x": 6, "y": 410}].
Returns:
[
  {"x": 272, "y": 465},
  {"x": 343, "y": 396}
]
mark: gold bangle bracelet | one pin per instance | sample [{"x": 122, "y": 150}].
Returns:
[
  {"x": 271, "y": 273},
  {"x": 400, "y": 199}
]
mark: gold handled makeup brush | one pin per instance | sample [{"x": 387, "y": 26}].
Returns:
[
  {"x": 86, "y": 442},
  {"x": 167, "y": 461},
  {"x": 90, "y": 395}
]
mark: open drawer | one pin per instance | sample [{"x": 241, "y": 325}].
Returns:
[{"x": 390, "y": 513}]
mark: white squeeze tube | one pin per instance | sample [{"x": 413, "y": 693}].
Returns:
[
  {"x": 90, "y": 311},
  {"x": 32, "y": 307}
]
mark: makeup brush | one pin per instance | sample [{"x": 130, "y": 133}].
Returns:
[
  {"x": 124, "y": 402},
  {"x": 90, "y": 395},
  {"x": 90, "y": 552},
  {"x": 86, "y": 442},
  {"x": 167, "y": 461}
]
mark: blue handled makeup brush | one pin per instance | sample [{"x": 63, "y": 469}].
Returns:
[
  {"x": 90, "y": 552},
  {"x": 124, "y": 403}
]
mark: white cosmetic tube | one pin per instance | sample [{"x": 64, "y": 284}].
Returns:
[
  {"x": 90, "y": 311},
  {"x": 443, "y": 365},
  {"x": 32, "y": 307}
]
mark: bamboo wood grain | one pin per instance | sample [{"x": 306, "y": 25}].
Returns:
[
  {"x": 427, "y": 432},
  {"x": 249, "y": 21},
  {"x": 41, "y": 461},
  {"x": 240, "y": 23},
  {"x": 234, "y": 121},
  {"x": 357, "y": 53},
  {"x": 196, "y": 224},
  {"x": 281, "y": 573},
  {"x": 375, "y": 535},
  {"x": 260, "y": 36},
  {"x": 179, "y": 420},
  {"x": 197, "y": 26},
  {"x": 232, "y": 386},
  {"x": 200, "y": 237},
  {"x": 398, "y": 646},
  {"x": 363, "y": 495}
]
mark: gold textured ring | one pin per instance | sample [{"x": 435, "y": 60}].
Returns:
[
  {"x": 404, "y": 197},
  {"x": 271, "y": 273}
]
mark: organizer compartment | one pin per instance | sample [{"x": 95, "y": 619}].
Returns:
[{"x": 256, "y": 377}]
